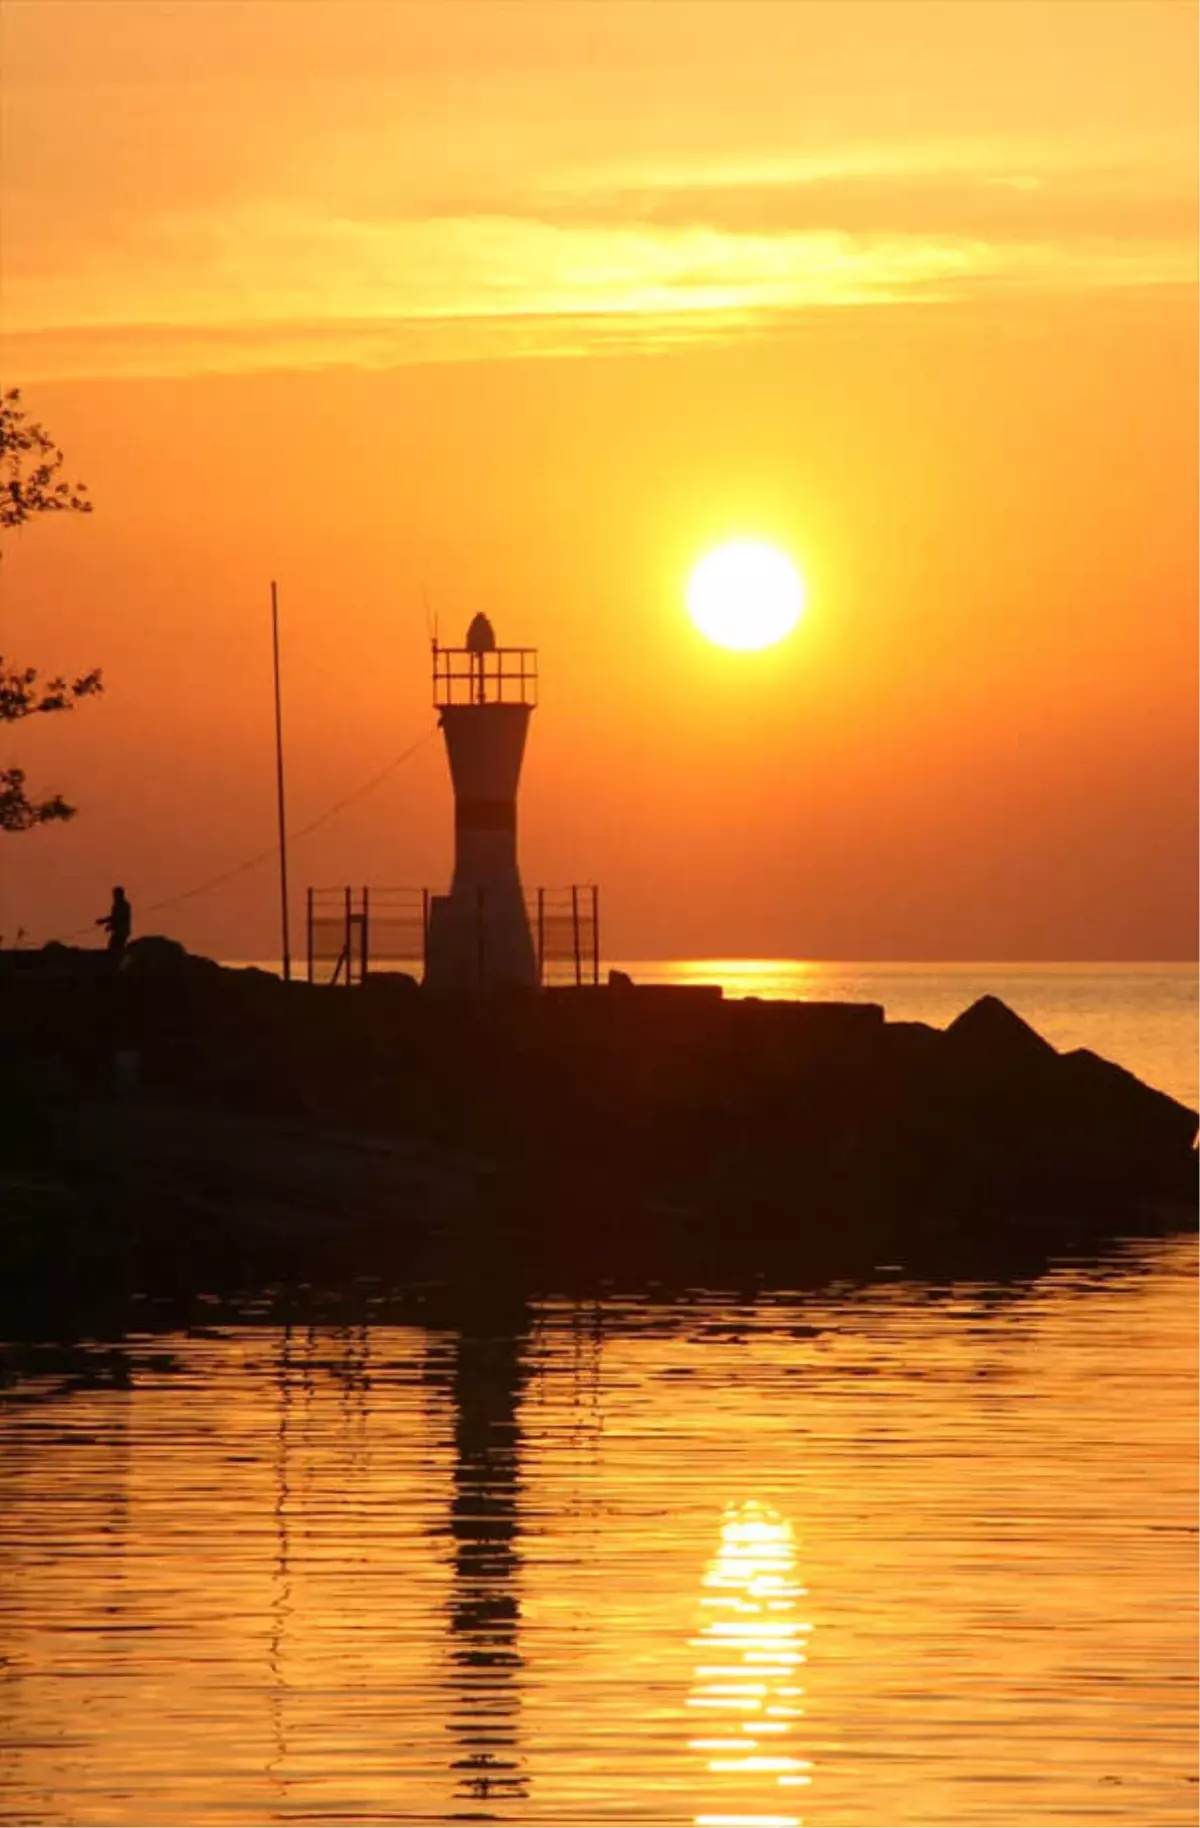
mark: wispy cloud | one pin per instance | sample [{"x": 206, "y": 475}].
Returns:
[
  {"x": 979, "y": 206},
  {"x": 559, "y": 190},
  {"x": 281, "y": 286}
]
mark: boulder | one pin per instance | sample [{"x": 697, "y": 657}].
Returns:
[
  {"x": 1137, "y": 1137},
  {"x": 992, "y": 1036},
  {"x": 999, "y": 1118},
  {"x": 390, "y": 984},
  {"x": 153, "y": 952}
]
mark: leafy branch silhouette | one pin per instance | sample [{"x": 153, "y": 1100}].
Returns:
[{"x": 31, "y": 484}]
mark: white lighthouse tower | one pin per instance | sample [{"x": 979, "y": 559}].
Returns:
[{"x": 479, "y": 933}]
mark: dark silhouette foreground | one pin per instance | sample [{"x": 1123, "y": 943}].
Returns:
[{"x": 272, "y": 1133}]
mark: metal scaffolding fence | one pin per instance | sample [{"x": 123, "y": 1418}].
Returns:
[
  {"x": 566, "y": 929},
  {"x": 354, "y": 932}
]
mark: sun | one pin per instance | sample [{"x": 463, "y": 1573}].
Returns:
[{"x": 745, "y": 595}]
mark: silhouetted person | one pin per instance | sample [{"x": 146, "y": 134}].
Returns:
[{"x": 118, "y": 920}]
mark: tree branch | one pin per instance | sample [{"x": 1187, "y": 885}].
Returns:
[{"x": 18, "y": 812}]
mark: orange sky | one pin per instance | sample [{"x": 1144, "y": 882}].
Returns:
[{"x": 522, "y": 307}]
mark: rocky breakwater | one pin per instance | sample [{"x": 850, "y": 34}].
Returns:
[
  {"x": 175, "y": 1125},
  {"x": 799, "y": 1138}
]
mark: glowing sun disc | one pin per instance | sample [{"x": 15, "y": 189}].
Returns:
[{"x": 745, "y": 595}]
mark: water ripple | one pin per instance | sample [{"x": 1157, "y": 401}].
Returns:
[{"x": 895, "y": 1554}]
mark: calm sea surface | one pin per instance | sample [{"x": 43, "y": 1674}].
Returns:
[
  {"x": 884, "y": 1555},
  {"x": 896, "y": 1554}
]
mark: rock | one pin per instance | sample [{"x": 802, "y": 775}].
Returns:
[
  {"x": 155, "y": 953},
  {"x": 1127, "y": 1128},
  {"x": 991, "y": 1034},
  {"x": 967, "y": 1116},
  {"x": 994, "y": 1119},
  {"x": 390, "y": 984}
]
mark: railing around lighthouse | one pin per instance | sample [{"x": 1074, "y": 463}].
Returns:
[
  {"x": 566, "y": 924},
  {"x": 352, "y": 933},
  {"x": 493, "y": 676}
]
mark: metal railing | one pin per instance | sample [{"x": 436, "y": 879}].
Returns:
[
  {"x": 496, "y": 676},
  {"x": 354, "y": 932},
  {"x": 566, "y": 926}
]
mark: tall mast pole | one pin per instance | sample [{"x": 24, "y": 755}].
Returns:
[{"x": 283, "y": 881}]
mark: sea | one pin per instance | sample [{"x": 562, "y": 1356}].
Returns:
[{"x": 881, "y": 1552}]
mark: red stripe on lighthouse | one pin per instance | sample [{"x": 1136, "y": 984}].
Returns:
[{"x": 486, "y": 815}]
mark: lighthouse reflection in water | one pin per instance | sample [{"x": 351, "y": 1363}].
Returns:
[{"x": 746, "y": 1699}]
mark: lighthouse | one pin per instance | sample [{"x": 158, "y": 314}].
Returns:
[{"x": 479, "y": 933}]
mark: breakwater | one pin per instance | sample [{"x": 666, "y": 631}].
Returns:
[{"x": 175, "y": 1128}]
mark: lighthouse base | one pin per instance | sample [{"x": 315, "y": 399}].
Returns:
[{"x": 480, "y": 941}]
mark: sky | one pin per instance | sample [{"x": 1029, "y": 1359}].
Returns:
[{"x": 424, "y": 309}]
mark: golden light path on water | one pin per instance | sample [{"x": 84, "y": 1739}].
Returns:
[{"x": 751, "y": 1649}]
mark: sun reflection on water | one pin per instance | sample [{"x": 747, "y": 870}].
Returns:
[{"x": 745, "y": 1695}]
